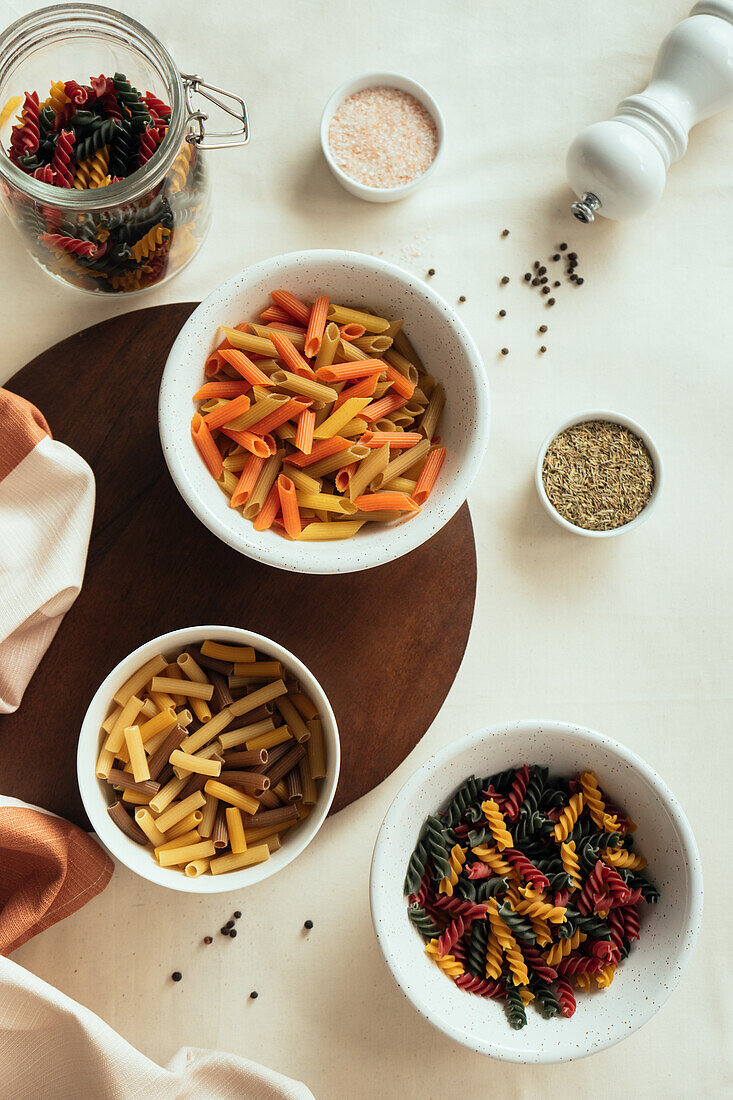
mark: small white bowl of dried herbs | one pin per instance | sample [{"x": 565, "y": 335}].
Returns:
[{"x": 598, "y": 474}]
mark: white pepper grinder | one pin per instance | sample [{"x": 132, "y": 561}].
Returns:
[{"x": 618, "y": 168}]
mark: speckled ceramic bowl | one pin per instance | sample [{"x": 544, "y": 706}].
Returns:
[
  {"x": 668, "y": 930},
  {"x": 351, "y": 278}
]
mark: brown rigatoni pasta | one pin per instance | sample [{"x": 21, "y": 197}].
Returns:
[{"x": 199, "y": 791}]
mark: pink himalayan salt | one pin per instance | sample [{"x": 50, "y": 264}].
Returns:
[{"x": 382, "y": 137}]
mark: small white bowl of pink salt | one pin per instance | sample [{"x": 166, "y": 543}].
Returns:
[{"x": 382, "y": 135}]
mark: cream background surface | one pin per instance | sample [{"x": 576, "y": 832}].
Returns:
[{"x": 630, "y": 636}]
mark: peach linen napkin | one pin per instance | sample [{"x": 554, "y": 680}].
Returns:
[
  {"x": 46, "y": 510},
  {"x": 54, "y": 1048}
]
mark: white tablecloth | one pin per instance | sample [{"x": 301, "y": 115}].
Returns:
[{"x": 630, "y": 636}]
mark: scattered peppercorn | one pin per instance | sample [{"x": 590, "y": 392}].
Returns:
[
  {"x": 545, "y": 290},
  {"x": 556, "y": 257},
  {"x": 502, "y": 313},
  {"x": 550, "y": 301},
  {"x": 542, "y": 270},
  {"x": 543, "y": 280},
  {"x": 232, "y": 933},
  {"x": 176, "y": 975},
  {"x": 224, "y": 931},
  {"x": 536, "y": 264},
  {"x": 556, "y": 283},
  {"x": 543, "y": 349},
  {"x": 542, "y": 328},
  {"x": 431, "y": 271},
  {"x": 580, "y": 282},
  {"x": 505, "y": 351},
  {"x": 208, "y": 939},
  {"x": 254, "y": 995},
  {"x": 535, "y": 281},
  {"x": 504, "y": 280},
  {"x": 563, "y": 247},
  {"x": 505, "y": 232},
  {"x": 528, "y": 277},
  {"x": 462, "y": 298},
  {"x": 573, "y": 278},
  {"x": 229, "y": 924},
  {"x": 308, "y": 924},
  {"x": 237, "y": 914},
  {"x": 573, "y": 256}
]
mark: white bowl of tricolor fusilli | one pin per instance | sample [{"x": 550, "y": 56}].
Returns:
[{"x": 642, "y": 981}]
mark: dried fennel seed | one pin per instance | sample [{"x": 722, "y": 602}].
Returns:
[{"x": 598, "y": 475}]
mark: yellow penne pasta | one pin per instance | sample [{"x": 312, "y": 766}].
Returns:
[
  {"x": 337, "y": 420},
  {"x": 342, "y": 315}
]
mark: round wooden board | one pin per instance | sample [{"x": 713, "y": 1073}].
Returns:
[{"x": 153, "y": 567}]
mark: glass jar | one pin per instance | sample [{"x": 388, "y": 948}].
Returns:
[{"x": 129, "y": 235}]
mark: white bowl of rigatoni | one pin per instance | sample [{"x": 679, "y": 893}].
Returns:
[
  {"x": 324, "y": 412},
  {"x": 208, "y": 759}
]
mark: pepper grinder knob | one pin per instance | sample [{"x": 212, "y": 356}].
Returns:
[{"x": 618, "y": 168}]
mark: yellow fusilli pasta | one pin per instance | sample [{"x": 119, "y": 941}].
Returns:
[
  {"x": 562, "y": 948},
  {"x": 496, "y": 823},
  {"x": 571, "y": 864},
  {"x": 147, "y": 244},
  {"x": 448, "y": 963},
  {"x": 596, "y": 805},
  {"x": 619, "y": 857},
  {"x": 568, "y": 817},
  {"x": 491, "y": 856}
]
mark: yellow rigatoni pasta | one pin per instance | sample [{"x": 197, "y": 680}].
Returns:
[{"x": 235, "y": 828}]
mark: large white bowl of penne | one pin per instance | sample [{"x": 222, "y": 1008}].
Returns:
[
  {"x": 208, "y": 759},
  {"x": 324, "y": 412}
]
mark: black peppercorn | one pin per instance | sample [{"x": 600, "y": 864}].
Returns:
[
  {"x": 543, "y": 349},
  {"x": 535, "y": 281},
  {"x": 528, "y": 277},
  {"x": 505, "y": 232},
  {"x": 224, "y": 931},
  {"x": 505, "y": 351},
  {"x": 232, "y": 933},
  {"x": 563, "y": 247},
  {"x": 536, "y": 264},
  {"x": 176, "y": 975},
  {"x": 543, "y": 280},
  {"x": 580, "y": 282},
  {"x": 504, "y": 280},
  {"x": 431, "y": 271},
  {"x": 208, "y": 939},
  {"x": 462, "y": 298},
  {"x": 556, "y": 256},
  {"x": 542, "y": 270},
  {"x": 229, "y": 924},
  {"x": 308, "y": 924},
  {"x": 542, "y": 328},
  {"x": 550, "y": 301},
  {"x": 254, "y": 995},
  {"x": 502, "y": 313},
  {"x": 545, "y": 290},
  {"x": 237, "y": 914},
  {"x": 573, "y": 278}
]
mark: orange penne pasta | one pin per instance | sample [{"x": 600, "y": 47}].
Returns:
[
  {"x": 245, "y": 367},
  {"x": 291, "y": 356},
  {"x": 400, "y": 384},
  {"x": 262, "y": 446},
  {"x": 322, "y": 449},
  {"x": 214, "y": 361},
  {"x": 396, "y": 440},
  {"x": 386, "y": 502},
  {"x": 266, "y": 515},
  {"x": 304, "y": 434},
  {"x": 208, "y": 449},
  {"x": 428, "y": 475},
  {"x": 247, "y": 480},
  {"x": 289, "y": 411},
  {"x": 285, "y": 326},
  {"x": 344, "y": 476},
  {"x": 274, "y": 313},
  {"x": 351, "y": 332},
  {"x": 316, "y": 326},
  {"x": 227, "y": 388},
  {"x": 292, "y": 305},
  {"x": 344, "y": 372},
  {"x": 289, "y": 506},
  {"x": 365, "y": 388},
  {"x": 383, "y": 407},
  {"x": 226, "y": 413}
]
